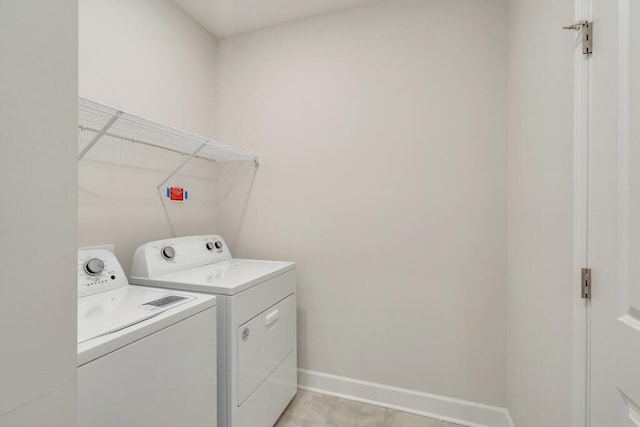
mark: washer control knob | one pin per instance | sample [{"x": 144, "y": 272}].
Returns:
[
  {"x": 168, "y": 252},
  {"x": 93, "y": 267},
  {"x": 210, "y": 246},
  {"x": 218, "y": 244}
]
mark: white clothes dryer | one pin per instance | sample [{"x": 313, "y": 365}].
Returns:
[
  {"x": 256, "y": 302},
  {"x": 146, "y": 357}
]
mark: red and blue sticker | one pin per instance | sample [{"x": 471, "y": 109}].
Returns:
[{"x": 177, "y": 194}]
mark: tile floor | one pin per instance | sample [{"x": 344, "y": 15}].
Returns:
[{"x": 319, "y": 410}]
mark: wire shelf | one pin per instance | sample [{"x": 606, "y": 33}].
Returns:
[{"x": 103, "y": 120}]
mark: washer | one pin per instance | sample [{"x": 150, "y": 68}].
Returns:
[
  {"x": 146, "y": 357},
  {"x": 256, "y": 301}
]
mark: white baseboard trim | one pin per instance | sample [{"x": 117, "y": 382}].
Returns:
[{"x": 430, "y": 405}]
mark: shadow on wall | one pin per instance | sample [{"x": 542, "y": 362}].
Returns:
[{"x": 234, "y": 186}]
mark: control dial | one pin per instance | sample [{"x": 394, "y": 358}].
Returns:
[
  {"x": 218, "y": 244},
  {"x": 210, "y": 246},
  {"x": 168, "y": 252},
  {"x": 93, "y": 267}
]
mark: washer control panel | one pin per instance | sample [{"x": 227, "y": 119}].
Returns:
[{"x": 98, "y": 271}]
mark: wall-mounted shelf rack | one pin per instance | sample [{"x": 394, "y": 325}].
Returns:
[{"x": 103, "y": 120}]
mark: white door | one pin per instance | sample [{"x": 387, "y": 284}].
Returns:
[{"x": 615, "y": 214}]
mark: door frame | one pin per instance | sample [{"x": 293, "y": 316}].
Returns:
[{"x": 581, "y": 372}]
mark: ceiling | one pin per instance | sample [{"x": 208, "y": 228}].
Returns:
[{"x": 224, "y": 18}]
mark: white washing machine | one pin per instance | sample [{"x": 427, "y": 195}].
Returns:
[
  {"x": 256, "y": 302},
  {"x": 146, "y": 357}
]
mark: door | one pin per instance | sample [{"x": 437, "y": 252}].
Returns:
[
  {"x": 263, "y": 343},
  {"x": 614, "y": 182}
]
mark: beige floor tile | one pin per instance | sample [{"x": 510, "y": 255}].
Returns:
[
  {"x": 287, "y": 420},
  {"x": 347, "y": 413},
  {"x": 402, "y": 419},
  {"x": 311, "y": 407},
  {"x": 308, "y": 409}
]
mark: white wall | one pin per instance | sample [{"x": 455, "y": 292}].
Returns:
[
  {"x": 147, "y": 58},
  {"x": 38, "y": 113},
  {"x": 150, "y": 59},
  {"x": 382, "y": 131},
  {"x": 540, "y": 212}
]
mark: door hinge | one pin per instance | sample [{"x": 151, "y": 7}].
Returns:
[
  {"x": 586, "y": 31},
  {"x": 586, "y": 283}
]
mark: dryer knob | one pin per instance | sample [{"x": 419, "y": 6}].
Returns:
[
  {"x": 218, "y": 244},
  {"x": 168, "y": 252},
  {"x": 93, "y": 267},
  {"x": 210, "y": 246}
]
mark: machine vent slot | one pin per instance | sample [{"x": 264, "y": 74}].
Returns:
[{"x": 163, "y": 302}]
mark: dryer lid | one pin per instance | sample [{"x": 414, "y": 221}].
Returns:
[{"x": 224, "y": 278}]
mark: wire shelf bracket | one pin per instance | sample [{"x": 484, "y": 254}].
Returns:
[
  {"x": 180, "y": 166},
  {"x": 99, "y": 135},
  {"x": 107, "y": 121}
]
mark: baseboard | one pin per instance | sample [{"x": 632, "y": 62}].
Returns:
[{"x": 431, "y": 405}]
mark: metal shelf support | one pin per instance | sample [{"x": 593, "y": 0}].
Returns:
[
  {"x": 175, "y": 171},
  {"x": 100, "y": 134}
]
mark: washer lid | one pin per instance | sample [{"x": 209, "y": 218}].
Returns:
[
  {"x": 108, "y": 312},
  {"x": 225, "y": 277}
]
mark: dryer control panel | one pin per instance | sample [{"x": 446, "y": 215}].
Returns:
[
  {"x": 167, "y": 256},
  {"x": 98, "y": 271}
]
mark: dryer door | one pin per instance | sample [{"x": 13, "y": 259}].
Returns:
[{"x": 263, "y": 343}]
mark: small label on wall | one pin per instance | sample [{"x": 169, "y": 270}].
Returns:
[{"x": 177, "y": 194}]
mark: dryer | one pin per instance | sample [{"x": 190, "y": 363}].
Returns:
[
  {"x": 146, "y": 356},
  {"x": 256, "y": 303}
]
